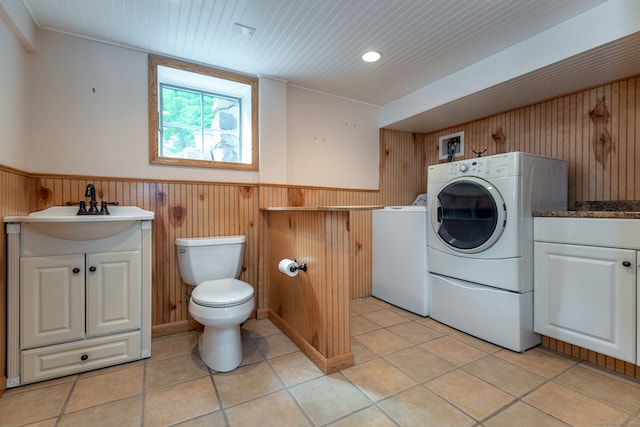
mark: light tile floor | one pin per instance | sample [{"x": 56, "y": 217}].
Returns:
[{"x": 408, "y": 371}]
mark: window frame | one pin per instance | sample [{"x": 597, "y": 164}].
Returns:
[{"x": 154, "y": 119}]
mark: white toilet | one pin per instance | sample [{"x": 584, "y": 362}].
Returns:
[{"x": 219, "y": 301}]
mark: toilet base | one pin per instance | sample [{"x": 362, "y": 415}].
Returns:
[{"x": 221, "y": 349}]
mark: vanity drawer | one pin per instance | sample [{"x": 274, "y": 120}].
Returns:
[{"x": 65, "y": 359}]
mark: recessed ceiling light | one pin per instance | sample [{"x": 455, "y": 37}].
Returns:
[
  {"x": 245, "y": 30},
  {"x": 371, "y": 56}
]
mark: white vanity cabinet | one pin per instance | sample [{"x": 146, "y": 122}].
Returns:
[
  {"x": 70, "y": 297},
  {"x": 76, "y": 305},
  {"x": 585, "y": 282}
]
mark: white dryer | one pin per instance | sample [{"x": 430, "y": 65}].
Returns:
[{"x": 480, "y": 242}]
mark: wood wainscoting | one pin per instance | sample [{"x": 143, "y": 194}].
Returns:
[
  {"x": 182, "y": 209},
  {"x": 591, "y": 356},
  {"x": 312, "y": 308},
  {"x": 597, "y": 131}
]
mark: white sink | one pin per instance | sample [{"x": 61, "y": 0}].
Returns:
[{"x": 62, "y": 222}]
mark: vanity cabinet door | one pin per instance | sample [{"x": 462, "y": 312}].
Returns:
[
  {"x": 113, "y": 292},
  {"x": 585, "y": 295},
  {"x": 51, "y": 300}
]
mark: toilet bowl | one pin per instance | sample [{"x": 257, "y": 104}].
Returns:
[{"x": 219, "y": 301}]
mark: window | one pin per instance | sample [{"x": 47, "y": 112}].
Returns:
[{"x": 200, "y": 116}]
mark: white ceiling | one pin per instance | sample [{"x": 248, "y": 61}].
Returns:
[{"x": 317, "y": 44}]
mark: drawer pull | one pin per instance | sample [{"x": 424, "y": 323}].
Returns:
[
  {"x": 92, "y": 268},
  {"x": 76, "y": 270},
  {"x": 84, "y": 356},
  {"x": 626, "y": 263}
]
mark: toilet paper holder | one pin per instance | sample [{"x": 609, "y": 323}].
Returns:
[
  {"x": 302, "y": 266},
  {"x": 290, "y": 267}
]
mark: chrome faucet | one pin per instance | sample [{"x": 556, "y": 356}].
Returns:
[{"x": 91, "y": 192}]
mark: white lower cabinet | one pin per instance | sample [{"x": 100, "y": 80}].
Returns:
[
  {"x": 585, "y": 281},
  {"x": 71, "y": 297},
  {"x": 77, "y": 305}
]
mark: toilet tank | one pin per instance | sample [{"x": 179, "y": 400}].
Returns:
[{"x": 210, "y": 258}]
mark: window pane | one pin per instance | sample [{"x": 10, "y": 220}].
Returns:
[{"x": 198, "y": 125}]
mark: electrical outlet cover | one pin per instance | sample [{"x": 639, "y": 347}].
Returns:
[{"x": 443, "y": 142}]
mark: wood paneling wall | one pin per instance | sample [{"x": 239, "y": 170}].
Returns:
[
  {"x": 181, "y": 210},
  {"x": 598, "y": 359},
  {"x": 563, "y": 128}
]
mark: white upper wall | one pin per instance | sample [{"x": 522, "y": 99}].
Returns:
[
  {"x": 13, "y": 102},
  {"x": 89, "y": 116},
  {"x": 88, "y": 112},
  {"x": 273, "y": 136},
  {"x": 331, "y": 141}
]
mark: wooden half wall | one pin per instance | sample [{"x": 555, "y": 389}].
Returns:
[{"x": 311, "y": 308}]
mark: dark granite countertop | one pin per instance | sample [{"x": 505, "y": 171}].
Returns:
[
  {"x": 598, "y": 209},
  {"x": 587, "y": 214}
]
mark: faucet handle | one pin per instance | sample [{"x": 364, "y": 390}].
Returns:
[
  {"x": 103, "y": 207},
  {"x": 83, "y": 207}
]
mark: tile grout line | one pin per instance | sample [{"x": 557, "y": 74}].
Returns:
[
  {"x": 451, "y": 334},
  {"x": 66, "y": 401},
  {"x": 219, "y": 398},
  {"x": 574, "y": 363},
  {"x": 143, "y": 398}
]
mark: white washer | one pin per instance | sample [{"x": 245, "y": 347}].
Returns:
[
  {"x": 480, "y": 242},
  {"x": 399, "y": 257}
]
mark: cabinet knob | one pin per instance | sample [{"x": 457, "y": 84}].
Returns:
[
  {"x": 84, "y": 356},
  {"x": 626, "y": 263},
  {"x": 92, "y": 268},
  {"x": 76, "y": 270}
]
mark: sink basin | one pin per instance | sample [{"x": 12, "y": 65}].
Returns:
[{"x": 62, "y": 222}]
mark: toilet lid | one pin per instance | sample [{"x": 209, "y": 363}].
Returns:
[{"x": 222, "y": 293}]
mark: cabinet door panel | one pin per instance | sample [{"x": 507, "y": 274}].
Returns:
[
  {"x": 51, "y": 300},
  {"x": 113, "y": 292},
  {"x": 584, "y": 295}
]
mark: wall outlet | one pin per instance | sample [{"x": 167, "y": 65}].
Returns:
[{"x": 444, "y": 141}]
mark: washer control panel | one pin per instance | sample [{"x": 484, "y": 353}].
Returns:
[{"x": 500, "y": 165}]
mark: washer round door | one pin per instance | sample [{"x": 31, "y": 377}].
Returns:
[{"x": 469, "y": 215}]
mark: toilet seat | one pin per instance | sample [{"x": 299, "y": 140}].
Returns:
[{"x": 222, "y": 293}]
